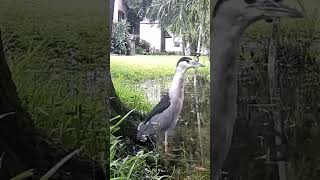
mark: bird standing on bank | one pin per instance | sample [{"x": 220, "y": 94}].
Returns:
[
  {"x": 230, "y": 19},
  {"x": 164, "y": 115}
]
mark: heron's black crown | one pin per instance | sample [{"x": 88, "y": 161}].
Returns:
[
  {"x": 216, "y": 7},
  {"x": 187, "y": 59},
  {"x": 219, "y": 2}
]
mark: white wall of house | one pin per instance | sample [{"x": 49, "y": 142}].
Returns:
[
  {"x": 151, "y": 33},
  {"x": 173, "y": 44},
  {"x": 119, "y": 5}
]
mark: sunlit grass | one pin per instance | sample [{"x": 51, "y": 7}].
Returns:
[
  {"x": 124, "y": 166},
  {"x": 141, "y": 68},
  {"x": 128, "y": 71},
  {"x": 52, "y": 48},
  {"x": 131, "y": 96}
]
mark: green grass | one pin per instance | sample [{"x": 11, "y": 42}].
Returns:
[
  {"x": 123, "y": 166},
  {"x": 54, "y": 48},
  {"x": 128, "y": 71},
  {"x": 142, "y": 68},
  {"x": 131, "y": 96}
]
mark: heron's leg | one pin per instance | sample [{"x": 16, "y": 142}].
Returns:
[
  {"x": 166, "y": 141},
  {"x": 154, "y": 146}
]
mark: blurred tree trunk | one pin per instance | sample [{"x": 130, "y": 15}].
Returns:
[
  {"x": 163, "y": 40},
  {"x": 23, "y": 148},
  {"x": 273, "y": 73},
  {"x": 111, "y": 8},
  {"x": 184, "y": 44},
  {"x": 193, "y": 45},
  {"x": 128, "y": 128}
]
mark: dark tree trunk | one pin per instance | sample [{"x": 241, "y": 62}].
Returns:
[
  {"x": 24, "y": 148},
  {"x": 163, "y": 40},
  {"x": 184, "y": 45},
  {"x": 274, "y": 87},
  {"x": 128, "y": 128},
  {"x": 193, "y": 45},
  {"x": 111, "y": 7}
]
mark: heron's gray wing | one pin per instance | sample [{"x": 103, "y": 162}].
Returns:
[{"x": 160, "y": 107}]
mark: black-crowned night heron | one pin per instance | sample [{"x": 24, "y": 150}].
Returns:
[
  {"x": 229, "y": 21},
  {"x": 165, "y": 114}
]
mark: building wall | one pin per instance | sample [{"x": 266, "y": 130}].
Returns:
[
  {"x": 119, "y": 5},
  {"x": 170, "y": 44},
  {"x": 151, "y": 33}
]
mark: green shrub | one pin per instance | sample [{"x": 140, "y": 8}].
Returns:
[
  {"x": 170, "y": 53},
  {"x": 120, "y": 38},
  {"x": 134, "y": 167},
  {"x": 145, "y": 45},
  {"x": 140, "y": 50}
]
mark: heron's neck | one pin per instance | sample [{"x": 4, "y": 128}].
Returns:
[
  {"x": 226, "y": 40},
  {"x": 176, "y": 90},
  {"x": 223, "y": 103}
]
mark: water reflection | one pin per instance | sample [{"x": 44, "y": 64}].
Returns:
[{"x": 152, "y": 89}]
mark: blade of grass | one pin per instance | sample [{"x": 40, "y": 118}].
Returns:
[
  {"x": 6, "y": 114},
  {"x": 121, "y": 120},
  {"x": 1, "y": 159},
  {"x": 23, "y": 175},
  {"x": 59, "y": 164}
]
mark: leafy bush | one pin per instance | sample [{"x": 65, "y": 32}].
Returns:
[
  {"x": 140, "y": 50},
  {"x": 170, "y": 53},
  {"x": 53, "y": 62},
  {"x": 297, "y": 66},
  {"x": 120, "y": 38},
  {"x": 135, "y": 167},
  {"x": 143, "y": 48},
  {"x": 145, "y": 45}
]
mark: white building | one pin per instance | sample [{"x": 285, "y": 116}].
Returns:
[
  {"x": 151, "y": 32},
  {"x": 146, "y": 30},
  {"x": 120, "y": 10}
]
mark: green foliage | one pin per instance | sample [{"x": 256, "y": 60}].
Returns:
[
  {"x": 138, "y": 7},
  {"x": 298, "y": 68},
  {"x": 183, "y": 18},
  {"x": 128, "y": 69},
  {"x": 120, "y": 38},
  {"x": 145, "y": 45},
  {"x": 140, "y": 50},
  {"x": 142, "y": 68},
  {"x": 136, "y": 166},
  {"x": 24, "y": 175},
  {"x": 55, "y": 168},
  {"x": 129, "y": 72},
  {"x": 53, "y": 50},
  {"x": 131, "y": 96},
  {"x": 143, "y": 48},
  {"x": 29, "y": 173}
]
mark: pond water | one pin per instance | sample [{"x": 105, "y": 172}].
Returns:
[{"x": 189, "y": 143}]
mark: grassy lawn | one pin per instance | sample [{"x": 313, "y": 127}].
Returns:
[
  {"x": 52, "y": 48},
  {"x": 128, "y": 71},
  {"x": 141, "y": 68}
]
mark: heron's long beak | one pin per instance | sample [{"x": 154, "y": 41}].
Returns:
[
  {"x": 196, "y": 64},
  {"x": 271, "y": 8}
]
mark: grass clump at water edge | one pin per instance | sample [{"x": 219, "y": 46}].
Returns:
[{"x": 135, "y": 167}]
